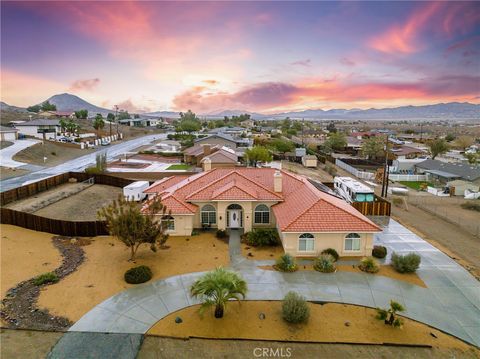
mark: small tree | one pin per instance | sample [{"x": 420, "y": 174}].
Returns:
[
  {"x": 463, "y": 142},
  {"x": 257, "y": 154},
  {"x": 81, "y": 114},
  {"x": 217, "y": 287},
  {"x": 63, "y": 124},
  {"x": 373, "y": 147},
  {"x": 34, "y": 108},
  {"x": 438, "y": 147},
  {"x": 389, "y": 315},
  {"x": 295, "y": 308},
  {"x": 47, "y": 106},
  {"x": 472, "y": 158},
  {"x": 127, "y": 222},
  {"x": 110, "y": 117},
  {"x": 336, "y": 141},
  {"x": 282, "y": 146},
  {"x": 98, "y": 123}
]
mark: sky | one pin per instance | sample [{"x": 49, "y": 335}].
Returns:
[{"x": 254, "y": 56}]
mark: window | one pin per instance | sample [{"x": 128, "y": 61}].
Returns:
[
  {"x": 168, "y": 222},
  {"x": 262, "y": 214},
  {"x": 208, "y": 214},
  {"x": 306, "y": 243},
  {"x": 352, "y": 242}
]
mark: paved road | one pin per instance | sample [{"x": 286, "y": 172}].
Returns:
[
  {"x": 451, "y": 302},
  {"x": 80, "y": 163},
  {"x": 6, "y": 154}
]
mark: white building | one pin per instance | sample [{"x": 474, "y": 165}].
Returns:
[
  {"x": 8, "y": 133},
  {"x": 36, "y": 128}
]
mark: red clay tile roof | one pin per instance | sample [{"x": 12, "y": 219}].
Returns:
[{"x": 300, "y": 206}]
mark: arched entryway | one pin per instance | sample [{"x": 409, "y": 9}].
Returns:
[{"x": 234, "y": 216}]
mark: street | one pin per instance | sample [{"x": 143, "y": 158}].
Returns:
[{"x": 80, "y": 163}]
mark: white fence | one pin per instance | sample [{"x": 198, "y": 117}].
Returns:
[
  {"x": 354, "y": 171},
  {"x": 399, "y": 177}
]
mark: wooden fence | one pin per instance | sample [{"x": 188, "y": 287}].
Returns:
[
  {"x": 31, "y": 189},
  {"x": 380, "y": 207},
  {"x": 54, "y": 226}
]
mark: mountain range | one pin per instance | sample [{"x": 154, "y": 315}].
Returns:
[{"x": 441, "y": 111}]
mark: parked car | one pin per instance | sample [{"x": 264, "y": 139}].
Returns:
[
  {"x": 65, "y": 139},
  {"x": 105, "y": 142}
]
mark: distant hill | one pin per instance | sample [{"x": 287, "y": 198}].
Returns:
[
  {"x": 68, "y": 102},
  {"x": 8, "y": 108}
]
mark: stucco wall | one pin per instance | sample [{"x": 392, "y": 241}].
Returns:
[
  {"x": 183, "y": 225},
  {"x": 327, "y": 240}
]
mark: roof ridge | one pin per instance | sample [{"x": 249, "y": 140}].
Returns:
[
  {"x": 259, "y": 185},
  {"x": 235, "y": 185},
  {"x": 208, "y": 185}
]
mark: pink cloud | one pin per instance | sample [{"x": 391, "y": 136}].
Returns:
[
  {"x": 306, "y": 63},
  {"x": 87, "y": 85},
  {"x": 129, "y": 106},
  {"x": 347, "y": 62}
]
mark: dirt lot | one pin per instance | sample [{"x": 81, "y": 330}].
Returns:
[
  {"x": 11, "y": 172},
  {"x": 55, "y": 153},
  {"x": 326, "y": 324},
  {"x": 82, "y": 206},
  {"x": 25, "y": 254},
  {"x": 101, "y": 275}
]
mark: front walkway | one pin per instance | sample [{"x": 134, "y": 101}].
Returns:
[
  {"x": 451, "y": 302},
  {"x": 6, "y": 154}
]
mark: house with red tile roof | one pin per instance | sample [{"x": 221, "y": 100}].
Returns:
[{"x": 307, "y": 219}]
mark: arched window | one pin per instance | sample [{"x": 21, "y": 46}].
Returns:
[
  {"x": 306, "y": 242},
  {"x": 208, "y": 215},
  {"x": 262, "y": 214},
  {"x": 352, "y": 242},
  {"x": 168, "y": 222}
]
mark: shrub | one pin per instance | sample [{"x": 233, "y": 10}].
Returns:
[
  {"x": 286, "y": 263},
  {"x": 136, "y": 275},
  {"x": 397, "y": 201},
  {"x": 471, "y": 206},
  {"x": 379, "y": 251},
  {"x": 221, "y": 233},
  {"x": 389, "y": 316},
  {"x": 262, "y": 237},
  {"x": 48, "y": 277},
  {"x": 369, "y": 265},
  {"x": 295, "y": 308},
  {"x": 325, "y": 264},
  {"x": 332, "y": 252},
  {"x": 408, "y": 263},
  {"x": 53, "y": 153}
]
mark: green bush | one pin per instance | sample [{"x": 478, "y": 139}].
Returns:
[
  {"x": 49, "y": 277},
  {"x": 408, "y": 263},
  {"x": 295, "y": 308},
  {"x": 136, "y": 275},
  {"x": 325, "y": 264},
  {"x": 221, "y": 233},
  {"x": 379, "y": 251},
  {"x": 473, "y": 206},
  {"x": 369, "y": 265},
  {"x": 286, "y": 263},
  {"x": 332, "y": 252},
  {"x": 261, "y": 237}
]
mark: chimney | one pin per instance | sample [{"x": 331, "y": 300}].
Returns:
[
  {"x": 277, "y": 181},
  {"x": 206, "y": 149},
  {"x": 207, "y": 164}
]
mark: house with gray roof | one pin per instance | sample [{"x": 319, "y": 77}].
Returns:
[
  {"x": 39, "y": 128},
  {"x": 449, "y": 171}
]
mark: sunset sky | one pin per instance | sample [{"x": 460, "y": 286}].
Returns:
[{"x": 255, "y": 56}]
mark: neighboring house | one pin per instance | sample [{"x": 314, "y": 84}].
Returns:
[
  {"x": 446, "y": 171},
  {"x": 218, "y": 139},
  {"x": 140, "y": 122},
  {"x": 8, "y": 133},
  {"x": 223, "y": 157},
  {"x": 247, "y": 123},
  {"x": 231, "y": 131},
  {"x": 458, "y": 187},
  {"x": 37, "y": 128},
  {"x": 193, "y": 155},
  {"x": 308, "y": 220},
  {"x": 406, "y": 153}
]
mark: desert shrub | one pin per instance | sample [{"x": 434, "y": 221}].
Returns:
[
  {"x": 48, "y": 277},
  {"x": 389, "y": 316},
  {"x": 93, "y": 170},
  {"x": 331, "y": 170},
  {"x": 221, "y": 233},
  {"x": 379, "y": 251},
  {"x": 195, "y": 232},
  {"x": 286, "y": 263},
  {"x": 295, "y": 308},
  {"x": 261, "y": 237},
  {"x": 369, "y": 265},
  {"x": 473, "y": 206},
  {"x": 53, "y": 153},
  {"x": 332, "y": 252},
  {"x": 397, "y": 201},
  {"x": 408, "y": 263},
  {"x": 136, "y": 275},
  {"x": 325, "y": 264}
]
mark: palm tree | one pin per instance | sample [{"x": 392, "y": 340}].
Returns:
[{"x": 217, "y": 288}]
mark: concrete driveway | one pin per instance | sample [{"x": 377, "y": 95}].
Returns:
[
  {"x": 451, "y": 302},
  {"x": 6, "y": 154}
]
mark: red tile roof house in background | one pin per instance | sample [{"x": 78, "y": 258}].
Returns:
[{"x": 307, "y": 219}]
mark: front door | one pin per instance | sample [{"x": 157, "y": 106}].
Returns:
[{"x": 235, "y": 218}]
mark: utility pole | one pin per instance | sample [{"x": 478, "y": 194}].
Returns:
[
  {"x": 385, "y": 170},
  {"x": 421, "y": 131},
  {"x": 303, "y": 124},
  {"x": 115, "y": 118}
]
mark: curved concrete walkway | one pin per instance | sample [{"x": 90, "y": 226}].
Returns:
[{"x": 451, "y": 302}]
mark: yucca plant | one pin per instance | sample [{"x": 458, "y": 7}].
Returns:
[
  {"x": 286, "y": 263},
  {"x": 389, "y": 315},
  {"x": 217, "y": 287},
  {"x": 369, "y": 265},
  {"x": 325, "y": 263}
]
